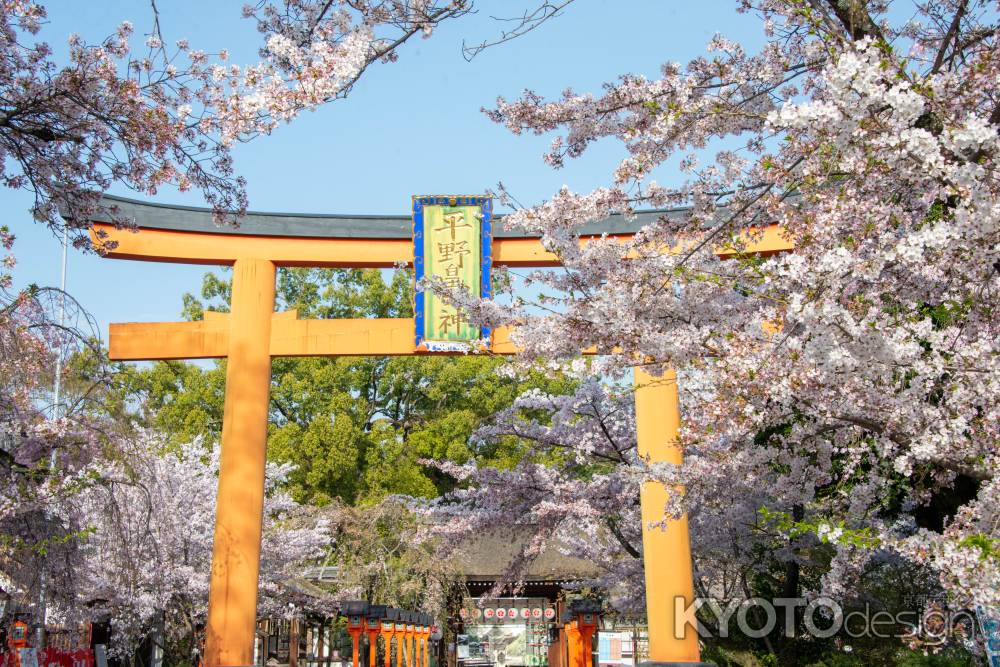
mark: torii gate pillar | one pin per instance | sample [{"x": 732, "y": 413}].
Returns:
[
  {"x": 232, "y": 599},
  {"x": 666, "y": 551}
]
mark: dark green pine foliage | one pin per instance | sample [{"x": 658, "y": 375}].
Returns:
[{"x": 356, "y": 428}]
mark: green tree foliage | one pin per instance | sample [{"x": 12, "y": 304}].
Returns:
[{"x": 355, "y": 427}]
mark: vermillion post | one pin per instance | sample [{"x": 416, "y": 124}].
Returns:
[
  {"x": 356, "y": 647},
  {"x": 574, "y": 645},
  {"x": 387, "y": 633},
  {"x": 232, "y": 598},
  {"x": 372, "y": 643},
  {"x": 587, "y": 645},
  {"x": 666, "y": 551}
]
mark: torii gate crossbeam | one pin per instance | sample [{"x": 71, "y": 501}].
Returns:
[{"x": 252, "y": 333}]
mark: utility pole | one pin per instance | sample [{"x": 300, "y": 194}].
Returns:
[{"x": 56, "y": 414}]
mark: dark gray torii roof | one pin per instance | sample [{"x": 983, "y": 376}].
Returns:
[{"x": 197, "y": 219}]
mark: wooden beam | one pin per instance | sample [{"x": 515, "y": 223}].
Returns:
[
  {"x": 137, "y": 341},
  {"x": 342, "y": 337},
  {"x": 179, "y": 247},
  {"x": 160, "y": 245},
  {"x": 290, "y": 337}
]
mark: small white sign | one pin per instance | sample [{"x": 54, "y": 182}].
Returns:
[
  {"x": 28, "y": 657},
  {"x": 100, "y": 655}
]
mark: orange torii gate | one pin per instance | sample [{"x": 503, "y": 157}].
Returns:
[{"x": 252, "y": 333}]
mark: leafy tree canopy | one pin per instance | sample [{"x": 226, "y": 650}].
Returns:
[{"x": 356, "y": 428}]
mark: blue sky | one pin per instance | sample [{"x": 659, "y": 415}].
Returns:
[{"x": 387, "y": 141}]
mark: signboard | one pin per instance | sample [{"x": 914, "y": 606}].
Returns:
[
  {"x": 100, "y": 655},
  {"x": 452, "y": 241},
  {"x": 28, "y": 657},
  {"x": 616, "y": 649},
  {"x": 462, "y": 642},
  {"x": 497, "y": 645},
  {"x": 519, "y": 611}
]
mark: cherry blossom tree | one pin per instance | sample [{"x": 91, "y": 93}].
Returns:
[
  {"x": 374, "y": 558},
  {"x": 128, "y": 537},
  {"x": 100, "y": 522},
  {"x": 137, "y": 544},
  {"x": 170, "y": 113},
  {"x": 37, "y": 438},
  {"x": 845, "y": 393},
  {"x": 577, "y": 485}
]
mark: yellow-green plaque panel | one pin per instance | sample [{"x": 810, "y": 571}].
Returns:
[{"x": 451, "y": 238}]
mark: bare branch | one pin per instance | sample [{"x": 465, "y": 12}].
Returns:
[
  {"x": 854, "y": 17},
  {"x": 523, "y": 25},
  {"x": 952, "y": 34}
]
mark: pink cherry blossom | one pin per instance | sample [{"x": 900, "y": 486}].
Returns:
[
  {"x": 848, "y": 383},
  {"x": 162, "y": 116}
]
